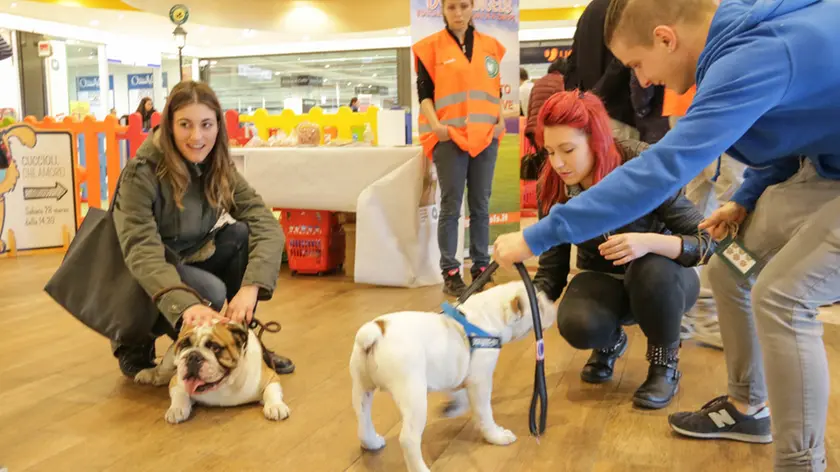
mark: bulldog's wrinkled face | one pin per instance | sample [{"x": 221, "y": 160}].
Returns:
[
  {"x": 206, "y": 355},
  {"x": 509, "y": 302}
]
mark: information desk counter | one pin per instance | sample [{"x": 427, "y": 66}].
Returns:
[{"x": 396, "y": 236}]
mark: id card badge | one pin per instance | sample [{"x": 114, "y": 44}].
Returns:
[{"x": 741, "y": 261}]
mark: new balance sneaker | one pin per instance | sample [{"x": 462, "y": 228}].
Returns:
[
  {"x": 453, "y": 284},
  {"x": 719, "y": 419}
]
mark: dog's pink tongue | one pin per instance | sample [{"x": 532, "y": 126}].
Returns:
[{"x": 192, "y": 385}]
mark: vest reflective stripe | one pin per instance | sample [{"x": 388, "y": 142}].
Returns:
[
  {"x": 454, "y": 122},
  {"x": 480, "y": 95},
  {"x": 454, "y": 99},
  {"x": 462, "y": 122},
  {"x": 466, "y": 97},
  {"x": 483, "y": 118}
]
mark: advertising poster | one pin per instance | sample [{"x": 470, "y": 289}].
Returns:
[
  {"x": 500, "y": 19},
  {"x": 36, "y": 187}
]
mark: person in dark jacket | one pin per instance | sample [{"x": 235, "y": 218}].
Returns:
[
  {"x": 593, "y": 67},
  {"x": 544, "y": 87},
  {"x": 640, "y": 273},
  {"x": 146, "y": 108},
  {"x": 648, "y": 103},
  {"x": 189, "y": 224}
]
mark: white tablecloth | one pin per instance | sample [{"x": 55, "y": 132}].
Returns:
[{"x": 396, "y": 238}]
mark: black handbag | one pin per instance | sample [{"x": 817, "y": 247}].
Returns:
[{"x": 94, "y": 284}]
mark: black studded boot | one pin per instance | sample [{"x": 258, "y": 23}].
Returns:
[
  {"x": 663, "y": 380},
  {"x": 599, "y": 367}
]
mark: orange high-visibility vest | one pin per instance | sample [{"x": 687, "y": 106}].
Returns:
[
  {"x": 673, "y": 104},
  {"x": 466, "y": 93}
]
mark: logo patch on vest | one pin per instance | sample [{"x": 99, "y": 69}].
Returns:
[{"x": 492, "y": 66}]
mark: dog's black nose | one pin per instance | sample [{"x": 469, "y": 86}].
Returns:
[{"x": 194, "y": 361}]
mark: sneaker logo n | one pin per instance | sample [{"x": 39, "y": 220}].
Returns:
[{"x": 721, "y": 418}]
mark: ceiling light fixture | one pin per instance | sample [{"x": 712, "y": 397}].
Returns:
[
  {"x": 401, "y": 31},
  {"x": 327, "y": 66},
  {"x": 13, "y": 5},
  {"x": 94, "y": 22}
]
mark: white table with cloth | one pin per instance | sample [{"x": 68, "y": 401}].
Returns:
[{"x": 392, "y": 190}]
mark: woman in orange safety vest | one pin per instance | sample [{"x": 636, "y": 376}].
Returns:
[{"x": 461, "y": 123}]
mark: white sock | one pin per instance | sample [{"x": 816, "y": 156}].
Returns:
[{"x": 758, "y": 412}]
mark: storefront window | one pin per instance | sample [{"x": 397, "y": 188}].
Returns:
[
  {"x": 83, "y": 80},
  {"x": 536, "y": 56},
  {"x": 302, "y": 81}
]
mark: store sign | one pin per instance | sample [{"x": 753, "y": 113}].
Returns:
[
  {"x": 36, "y": 188},
  {"x": 543, "y": 54},
  {"x": 141, "y": 81},
  {"x": 372, "y": 89},
  {"x": 90, "y": 83},
  {"x": 301, "y": 81},
  {"x": 257, "y": 74},
  {"x": 44, "y": 49}
]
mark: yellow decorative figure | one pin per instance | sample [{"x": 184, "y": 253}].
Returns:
[{"x": 9, "y": 173}]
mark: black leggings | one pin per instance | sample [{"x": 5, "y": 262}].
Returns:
[{"x": 655, "y": 292}]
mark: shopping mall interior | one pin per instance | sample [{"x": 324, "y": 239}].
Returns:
[{"x": 319, "y": 102}]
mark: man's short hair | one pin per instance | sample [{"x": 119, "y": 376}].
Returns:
[
  {"x": 635, "y": 20},
  {"x": 523, "y": 74}
]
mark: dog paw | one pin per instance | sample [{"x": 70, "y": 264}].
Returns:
[
  {"x": 146, "y": 377},
  {"x": 373, "y": 444},
  {"x": 500, "y": 436},
  {"x": 175, "y": 415},
  {"x": 276, "y": 411}
]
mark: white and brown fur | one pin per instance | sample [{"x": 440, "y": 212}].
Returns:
[
  {"x": 411, "y": 353},
  {"x": 227, "y": 353}
]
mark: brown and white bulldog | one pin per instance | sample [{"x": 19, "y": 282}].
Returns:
[{"x": 220, "y": 364}]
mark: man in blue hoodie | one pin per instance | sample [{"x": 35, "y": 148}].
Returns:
[{"x": 768, "y": 94}]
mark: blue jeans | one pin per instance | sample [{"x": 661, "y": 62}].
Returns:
[
  {"x": 455, "y": 170},
  {"x": 219, "y": 278}
]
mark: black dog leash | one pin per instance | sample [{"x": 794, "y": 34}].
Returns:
[{"x": 540, "y": 392}]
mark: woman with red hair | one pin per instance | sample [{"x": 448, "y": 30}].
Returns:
[{"x": 640, "y": 273}]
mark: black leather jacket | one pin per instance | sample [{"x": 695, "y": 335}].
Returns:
[{"x": 676, "y": 216}]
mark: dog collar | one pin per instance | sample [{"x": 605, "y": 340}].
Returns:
[{"x": 479, "y": 339}]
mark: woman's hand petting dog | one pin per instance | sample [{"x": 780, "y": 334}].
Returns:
[
  {"x": 241, "y": 308},
  {"x": 198, "y": 315}
]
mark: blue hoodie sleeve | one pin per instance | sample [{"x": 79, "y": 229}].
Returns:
[{"x": 737, "y": 89}]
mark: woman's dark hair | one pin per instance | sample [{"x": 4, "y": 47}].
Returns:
[
  {"x": 141, "y": 108},
  {"x": 559, "y": 65},
  {"x": 218, "y": 183}
]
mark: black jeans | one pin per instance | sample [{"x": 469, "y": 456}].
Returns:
[{"x": 655, "y": 293}]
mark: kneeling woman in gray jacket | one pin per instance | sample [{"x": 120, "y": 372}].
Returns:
[
  {"x": 170, "y": 211},
  {"x": 640, "y": 273}
]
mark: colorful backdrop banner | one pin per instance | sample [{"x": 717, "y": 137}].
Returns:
[{"x": 500, "y": 19}]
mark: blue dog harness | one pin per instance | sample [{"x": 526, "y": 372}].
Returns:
[{"x": 478, "y": 338}]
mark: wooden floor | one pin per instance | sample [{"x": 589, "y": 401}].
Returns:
[{"x": 65, "y": 407}]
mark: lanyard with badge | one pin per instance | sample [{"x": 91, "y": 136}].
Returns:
[{"x": 741, "y": 261}]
